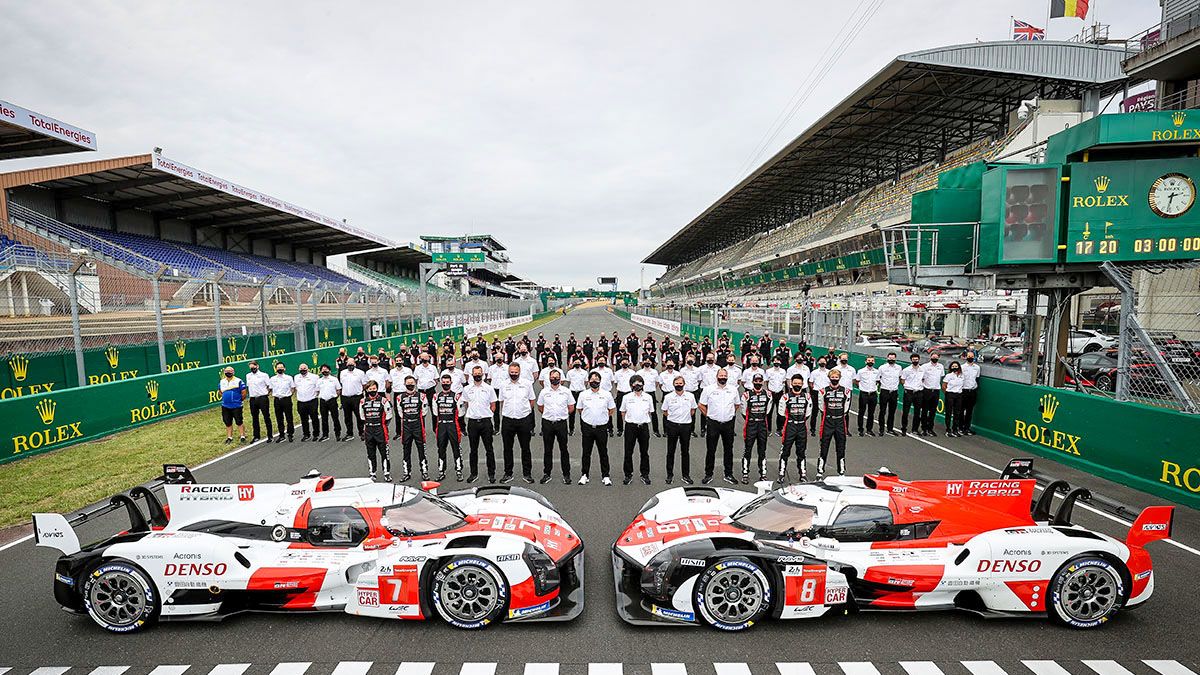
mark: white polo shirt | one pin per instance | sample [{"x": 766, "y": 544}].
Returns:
[
  {"x": 282, "y": 386},
  {"x": 426, "y": 374},
  {"x": 889, "y": 376},
  {"x": 595, "y": 407},
  {"x": 747, "y": 377},
  {"x": 819, "y": 378},
  {"x": 259, "y": 384},
  {"x": 650, "y": 378},
  {"x": 479, "y": 399},
  {"x": 934, "y": 372},
  {"x": 458, "y": 379},
  {"x": 691, "y": 378},
  {"x": 606, "y": 378},
  {"x": 497, "y": 374},
  {"x": 621, "y": 377},
  {"x": 637, "y": 408},
  {"x": 722, "y": 402},
  {"x": 577, "y": 379},
  {"x": 528, "y": 367},
  {"x": 555, "y": 402},
  {"x": 516, "y": 397},
  {"x": 799, "y": 369},
  {"x": 708, "y": 374},
  {"x": 352, "y": 380},
  {"x": 379, "y": 376},
  {"x": 397, "y": 376},
  {"x": 328, "y": 387},
  {"x": 306, "y": 387},
  {"x": 544, "y": 376},
  {"x": 954, "y": 383},
  {"x": 913, "y": 378},
  {"x": 679, "y": 407},
  {"x": 970, "y": 373},
  {"x": 776, "y": 379},
  {"x": 868, "y": 380},
  {"x": 848, "y": 372}
]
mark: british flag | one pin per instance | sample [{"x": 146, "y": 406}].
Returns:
[{"x": 1027, "y": 31}]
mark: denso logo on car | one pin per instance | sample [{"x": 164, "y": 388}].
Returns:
[
  {"x": 194, "y": 569},
  {"x": 1019, "y": 566}
]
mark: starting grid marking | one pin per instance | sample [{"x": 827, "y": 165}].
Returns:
[{"x": 1028, "y": 667}]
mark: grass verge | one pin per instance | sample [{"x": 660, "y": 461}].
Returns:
[{"x": 516, "y": 331}]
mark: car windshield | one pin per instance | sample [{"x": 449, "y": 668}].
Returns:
[
  {"x": 772, "y": 513},
  {"x": 421, "y": 515}
]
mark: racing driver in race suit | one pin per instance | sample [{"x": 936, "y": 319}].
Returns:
[
  {"x": 375, "y": 412},
  {"x": 410, "y": 423}
]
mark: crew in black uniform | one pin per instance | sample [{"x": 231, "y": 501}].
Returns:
[
  {"x": 445, "y": 406},
  {"x": 758, "y": 407},
  {"x": 375, "y": 411},
  {"x": 410, "y": 426},
  {"x": 796, "y": 410},
  {"x": 835, "y": 421}
]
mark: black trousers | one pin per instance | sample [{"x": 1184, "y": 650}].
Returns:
[
  {"x": 572, "y": 416},
  {"x": 555, "y": 430},
  {"x": 887, "y": 410},
  {"x": 776, "y": 396},
  {"x": 354, "y": 423},
  {"x": 932, "y": 396},
  {"x": 496, "y": 414},
  {"x": 654, "y": 411},
  {"x": 794, "y": 436},
  {"x": 637, "y": 434},
  {"x": 377, "y": 442},
  {"x": 309, "y": 418},
  {"x": 755, "y": 436},
  {"x": 815, "y": 397},
  {"x": 723, "y": 432},
  {"x": 481, "y": 429},
  {"x": 620, "y": 419},
  {"x": 448, "y": 434},
  {"x": 283, "y": 413},
  {"x": 969, "y": 396},
  {"x": 866, "y": 409},
  {"x": 954, "y": 411},
  {"x": 261, "y": 405},
  {"x": 594, "y": 436},
  {"x": 914, "y": 400},
  {"x": 679, "y": 434},
  {"x": 329, "y": 408},
  {"x": 833, "y": 429},
  {"x": 430, "y": 394},
  {"x": 408, "y": 438},
  {"x": 521, "y": 430}
]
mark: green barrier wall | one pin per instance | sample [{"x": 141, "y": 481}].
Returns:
[
  {"x": 48, "y": 421},
  {"x": 1148, "y": 448}
]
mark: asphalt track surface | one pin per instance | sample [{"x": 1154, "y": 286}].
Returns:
[{"x": 38, "y": 634}]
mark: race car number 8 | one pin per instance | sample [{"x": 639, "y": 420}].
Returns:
[{"x": 808, "y": 591}]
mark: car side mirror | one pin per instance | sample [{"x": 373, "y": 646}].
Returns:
[
  {"x": 376, "y": 543},
  {"x": 471, "y": 519}
]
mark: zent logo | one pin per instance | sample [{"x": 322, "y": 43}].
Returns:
[{"x": 245, "y": 493}]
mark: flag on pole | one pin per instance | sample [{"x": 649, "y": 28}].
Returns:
[
  {"x": 1027, "y": 31},
  {"x": 1066, "y": 8}
]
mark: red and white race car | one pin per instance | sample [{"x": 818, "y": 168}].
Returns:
[
  {"x": 730, "y": 558},
  {"x": 472, "y": 557}
]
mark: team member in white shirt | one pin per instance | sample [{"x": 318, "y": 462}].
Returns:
[
  {"x": 934, "y": 372},
  {"x": 497, "y": 374},
  {"x": 621, "y": 379},
  {"x": 970, "y": 373},
  {"x": 517, "y": 399},
  {"x": 889, "y": 386},
  {"x": 746, "y": 379},
  {"x": 596, "y": 406},
  {"x": 377, "y": 374},
  {"x": 691, "y": 382},
  {"x": 328, "y": 389},
  {"x": 678, "y": 408},
  {"x": 427, "y": 376},
  {"x": 306, "y": 403},
  {"x": 650, "y": 379},
  {"x": 913, "y": 379},
  {"x": 719, "y": 403},
  {"x": 551, "y": 367},
  {"x": 396, "y": 376},
  {"x": 637, "y": 409},
  {"x": 848, "y": 372},
  {"x": 556, "y": 403},
  {"x": 528, "y": 365},
  {"x": 282, "y": 385},
  {"x": 776, "y": 378},
  {"x": 474, "y": 361},
  {"x": 576, "y": 379},
  {"x": 259, "y": 385},
  {"x": 818, "y": 380},
  {"x": 952, "y": 385},
  {"x": 734, "y": 372},
  {"x": 352, "y": 380},
  {"x": 867, "y": 381},
  {"x": 480, "y": 399}
]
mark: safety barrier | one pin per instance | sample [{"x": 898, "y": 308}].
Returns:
[{"x": 56, "y": 419}]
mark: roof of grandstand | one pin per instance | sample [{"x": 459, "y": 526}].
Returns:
[
  {"x": 171, "y": 189},
  {"x": 403, "y": 256},
  {"x": 916, "y": 109},
  {"x": 468, "y": 238},
  {"x": 24, "y": 133}
]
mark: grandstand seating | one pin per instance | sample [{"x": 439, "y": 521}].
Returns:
[{"x": 15, "y": 254}]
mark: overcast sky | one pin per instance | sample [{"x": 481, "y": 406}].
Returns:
[{"x": 581, "y": 135}]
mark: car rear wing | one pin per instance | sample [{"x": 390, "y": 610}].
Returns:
[
  {"x": 1042, "y": 510},
  {"x": 56, "y": 530}
]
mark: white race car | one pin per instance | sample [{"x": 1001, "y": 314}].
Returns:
[
  {"x": 731, "y": 558},
  {"x": 472, "y": 557}
]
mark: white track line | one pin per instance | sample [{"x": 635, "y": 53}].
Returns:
[
  {"x": 858, "y": 668},
  {"x": 983, "y": 668},
  {"x": 921, "y": 668},
  {"x": 795, "y": 669},
  {"x": 229, "y": 669},
  {"x": 352, "y": 668},
  {"x": 477, "y": 669},
  {"x": 1046, "y": 668},
  {"x": 1169, "y": 667},
  {"x": 541, "y": 669},
  {"x": 668, "y": 669},
  {"x": 731, "y": 668},
  {"x": 415, "y": 668},
  {"x": 51, "y": 670},
  {"x": 605, "y": 669},
  {"x": 1107, "y": 667},
  {"x": 169, "y": 670},
  {"x": 292, "y": 668},
  {"x": 109, "y": 670}
]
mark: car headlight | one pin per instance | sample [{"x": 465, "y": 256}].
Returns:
[
  {"x": 542, "y": 568},
  {"x": 656, "y": 575}
]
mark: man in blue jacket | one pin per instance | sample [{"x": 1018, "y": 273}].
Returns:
[{"x": 233, "y": 392}]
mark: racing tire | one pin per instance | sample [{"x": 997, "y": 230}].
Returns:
[
  {"x": 732, "y": 594},
  {"x": 120, "y": 597},
  {"x": 469, "y": 592},
  {"x": 1087, "y": 591}
]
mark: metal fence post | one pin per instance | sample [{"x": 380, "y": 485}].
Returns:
[
  {"x": 301, "y": 334},
  {"x": 76, "y": 333},
  {"x": 216, "y": 288},
  {"x": 367, "y": 319},
  {"x": 262, "y": 311},
  {"x": 343, "y": 303},
  {"x": 158, "y": 322},
  {"x": 316, "y": 320}
]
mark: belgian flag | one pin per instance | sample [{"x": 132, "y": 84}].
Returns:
[{"x": 1063, "y": 8}]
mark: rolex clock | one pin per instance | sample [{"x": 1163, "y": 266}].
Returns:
[{"x": 1171, "y": 195}]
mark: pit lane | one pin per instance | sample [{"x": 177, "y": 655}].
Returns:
[{"x": 39, "y": 634}]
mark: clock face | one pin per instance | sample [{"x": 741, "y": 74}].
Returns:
[{"x": 1172, "y": 195}]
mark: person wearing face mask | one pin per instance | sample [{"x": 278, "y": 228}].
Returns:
[
  {"x": 631, "y": 346},
  {"x": 517, "y": 399},
  {"x": 361, "y": 361},
  {"x": 551, "y": 368},
  {"x": 623, "y": 379},
  {"x": 528, "y": 365},
  {"x": 410, "y": 427},
  {"x": 708, "y": 378},
  {"x": 352, "y": 380},
  {"x": 747, "y": 346},
  {"x": 375, "y": 411},
  {"x": 835, "y": 422},
  {"x": 306, "y": 403},
  {"x": 889, "y": 386},
  {"x": 376, "y": 373},
  {"x": 427, "y": 376},
  {"x": 691, "y": 384},
  {"x": 757, "y": 402},
  {"x": 328, "y": 389},
  {"x": 596, "y": 406},
  {"x": 650, "y": 381},
  {"x": 818, "y": 380},
  {"x": 556, "y": 403},
  {"x": 934, "y": 372},
  {"x": 799, "y": 367},
  {"x": 867, "y": 381},
  {"x": 446, "y": 407},
  {"x": 746, "y": 378},
  {"x": 589, "y": 349},
  {"x": 719, "y": 403},
  {"x": 637, "y": 409},
  {"x": 480, "y": 400},
  {"x": 607, "y": 375},
  {"x": 576, "y": 382},
  {"x": 970, "y": 373},
  {"x": 782, "y": 355},
  {"x": 258, "y": 386},
  {"x": 913, "y": 379},
  {"x": 343, "y": 360},
  {"x": 952, "y": 386},
  {"x": 396, "y": 377},
  {"x": 497, "y": 375},
  {"x": 282, "y": 386},
  {"x": 776, "y": 378},
  {"x": 796, "y": 411},
  {"x": 678, "y": 409},
  {"x": 848, "y": 372},
  {"x": 458, "y": 380},
  {"x": 233, "y": 392}
]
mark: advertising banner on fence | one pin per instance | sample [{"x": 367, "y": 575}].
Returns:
[
  {"x": 665, "y": 325},
  {"x": 495, "y": 324}
]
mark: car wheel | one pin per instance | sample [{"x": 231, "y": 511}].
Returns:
[
  {"x": 733, "y": 594},
  {"x": 120, "y": 597},
  {"x": 1086, "y": 592},
  {"x": 1106, "y": 383},
  {"x": 469, "y": 592}
]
